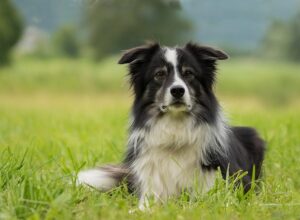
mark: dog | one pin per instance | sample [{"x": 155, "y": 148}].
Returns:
[{"x": 179, "y": 137}]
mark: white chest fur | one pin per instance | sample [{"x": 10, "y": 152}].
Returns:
[{"x": 170, "y": 157}]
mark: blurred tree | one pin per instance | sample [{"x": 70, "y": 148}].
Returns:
[
  {"x": 10, "y": 29},
  {"x": 114, "y": 25},
  {"x": 275, "y": 42},
  {"x": 282, "y": 39},
  {"x": 294, "y": 39},
  {"x": 66, "y": 42}
]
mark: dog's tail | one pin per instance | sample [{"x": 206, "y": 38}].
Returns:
[{"x": 103, "y": 178}]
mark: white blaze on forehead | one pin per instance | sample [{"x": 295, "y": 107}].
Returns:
[{"x": 171, "y": 57}]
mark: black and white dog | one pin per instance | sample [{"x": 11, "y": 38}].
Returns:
[{"x": 178, "y": 136}]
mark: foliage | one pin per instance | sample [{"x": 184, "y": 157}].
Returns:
[
  {"x": 282, "y": 39},
  {"x": 10, "y": 29},
  {"x": 66, "y": 42},
  {"x": 294, "y": 44},
  {"x": 117, "y": 25}
]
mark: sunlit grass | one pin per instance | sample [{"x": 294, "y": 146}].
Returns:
[{"x": 52, "y": 128}]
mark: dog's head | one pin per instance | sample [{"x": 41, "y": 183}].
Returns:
[{"x": 175, "y": 80}]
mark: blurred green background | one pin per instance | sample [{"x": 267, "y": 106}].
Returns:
[
  {"x": 71, "y": 46},
  {"x": 65, "y": 103}
]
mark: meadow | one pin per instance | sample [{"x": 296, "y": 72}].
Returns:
[{"x": 58, "y": 116}]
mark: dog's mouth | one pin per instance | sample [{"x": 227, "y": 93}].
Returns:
[
  {"x": 176, "y": 106},
  {"x": 177, "y": 103}
]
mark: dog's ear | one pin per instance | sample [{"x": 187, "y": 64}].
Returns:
[
  {"x": 207, "y": 58},
  {"x": 138, "y": 53},
  {"x": 206, "y": 52}
]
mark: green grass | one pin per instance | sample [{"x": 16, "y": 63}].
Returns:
[{"x": 59, "y": 116}]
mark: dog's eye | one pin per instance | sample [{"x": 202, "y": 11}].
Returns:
[
  {"x": 160, "y": 75},
  {"x": 189, "y": 74}
]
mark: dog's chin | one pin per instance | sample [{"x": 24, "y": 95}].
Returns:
[{"x": 176, "y": 108}]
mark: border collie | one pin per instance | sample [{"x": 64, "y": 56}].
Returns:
[{"x": 179, "y": 136}]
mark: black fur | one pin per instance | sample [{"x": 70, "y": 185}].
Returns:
[
  {"x": 246, "y": 154},
  {"x": 246, "y": 148},
  {"x": 151, "y": 77}
]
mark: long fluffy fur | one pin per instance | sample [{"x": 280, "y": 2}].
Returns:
[{"x": 168, "y": 152}]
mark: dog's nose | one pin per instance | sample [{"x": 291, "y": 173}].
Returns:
[{"x": 177, "y": 91}]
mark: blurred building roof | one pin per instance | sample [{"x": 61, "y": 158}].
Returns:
[{"x": 33, "y": 38}]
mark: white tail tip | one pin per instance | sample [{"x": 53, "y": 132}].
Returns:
[{"x": 97, "y": 178}]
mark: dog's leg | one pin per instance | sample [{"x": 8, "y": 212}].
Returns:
[
  {"x": 207, "y": 180},
  {"x": 144, "y": 203},
  {"x": 103, "y": 178},
  {"x": 203, "y": 183},
  {"x": 151, "y": 192},
  {"x": 146, "y": 197}
]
